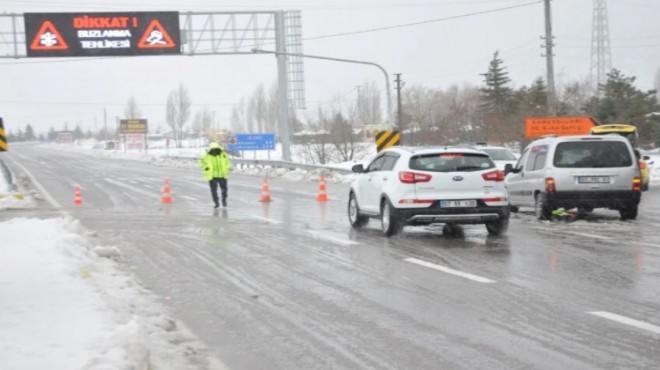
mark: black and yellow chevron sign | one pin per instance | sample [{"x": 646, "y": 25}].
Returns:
[
  {"x": 3, "y": 138},
  {"x": 386, "y": 139}
]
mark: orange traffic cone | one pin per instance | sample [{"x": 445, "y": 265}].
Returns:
[
  {"x": 77, "y": 198},
  {"x": 167, "y": 197},
  {"x": 265, "y": 192},
  {"x": 323, "y": 195}
]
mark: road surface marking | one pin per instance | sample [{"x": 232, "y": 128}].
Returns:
[
  {"x": 447, "y": 270},
  {"x": 646, "y": 244},
  {"x": 627, "y": 321},
  {"x": 324, "y": 236},
  {"x": 53, "y": 203},
  {"x": 189, "y": 198},
  {"x": 133, "y": 189},
  {"x": 269, "y": 220}
]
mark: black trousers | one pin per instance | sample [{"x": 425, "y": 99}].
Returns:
[{"x": 214, "y": 183}]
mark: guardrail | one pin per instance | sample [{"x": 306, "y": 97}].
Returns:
[{"x": 277, "y": 164}]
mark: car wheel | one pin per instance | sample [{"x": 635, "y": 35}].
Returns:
[
  {"x": 354, "y": 217},
  {"x": 497, "y": 227},
  {"x": 541, "y": 208},
  {"x": 583, "y": 211},
  {"x": 452, "y": 231},
  {"x": 629, "y": 213},
  {"x": 389, "y": 220}
]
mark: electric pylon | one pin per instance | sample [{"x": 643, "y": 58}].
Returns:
[{"x": 601, "y": 57}]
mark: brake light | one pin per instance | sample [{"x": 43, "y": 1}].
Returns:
[
  {"x": 550, "y": 185},
  {"x": 494, "y": 176},
  {"x": 498, "y": 199},
  {"x": 413, "y": 177},
  {"x": 416, "y": 201},
  {"x": 642, "y": 165},
  {"x": 637, "y": 184}
]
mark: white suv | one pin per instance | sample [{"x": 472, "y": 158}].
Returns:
[
  {"x": 425, "y": 185},
  {"x": 586, "y": 172}
]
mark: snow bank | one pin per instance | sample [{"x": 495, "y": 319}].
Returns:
[
  {"x": 10, "y": 198},
  {"x": 64, "y": 304}
]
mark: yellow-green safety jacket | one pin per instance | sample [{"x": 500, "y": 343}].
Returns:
[{"x": 215, "y": 166}]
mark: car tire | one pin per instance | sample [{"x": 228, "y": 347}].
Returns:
[
  {"x": 354, "y": 217},
  {"x": 497, "y": 227},
  {"x": 629, "y": 213},
  {"x": 453, "y": 231},
  {"x": 389, "y": 220},
  {"x": 541, "y": 208}
]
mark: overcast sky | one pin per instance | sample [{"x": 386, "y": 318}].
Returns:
[{"x": 49, "y": 92}]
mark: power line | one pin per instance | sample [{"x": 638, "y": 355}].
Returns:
[{"x": 423, "y": 22}]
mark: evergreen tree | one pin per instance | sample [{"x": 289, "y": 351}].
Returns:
[
  {"x": 78, "y": 133},
  {"x": 497, "y": 96},
  {"x": 497, "y": 104},
  {"x": 622, "y": 102},
  {"x": 51, "y": 134},
  {"x": 29, "y": 133}
]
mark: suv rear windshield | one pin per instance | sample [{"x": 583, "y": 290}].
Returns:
[
  {"x": 584, "y": 154},
  {"x": 451, "y": 162}
]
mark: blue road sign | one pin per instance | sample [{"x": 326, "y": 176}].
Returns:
[{"x": 251, "y": 142}]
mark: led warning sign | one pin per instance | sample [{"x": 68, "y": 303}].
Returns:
[{"x": 102, "y": 34}]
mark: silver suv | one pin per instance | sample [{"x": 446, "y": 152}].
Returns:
[
  {"x": 586, "y": 172},
  {"x": 425, "y": 185}
]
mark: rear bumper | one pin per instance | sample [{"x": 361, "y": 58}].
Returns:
[
  {"x": 435, "y": 214},
  {"x": 593, "y": 199}
]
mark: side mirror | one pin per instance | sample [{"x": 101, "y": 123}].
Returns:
[
  {"x": 358, "y": 168},
  {"x": 508, "y": 168}
]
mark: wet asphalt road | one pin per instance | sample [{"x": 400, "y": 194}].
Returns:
[{"x": 289, "y": 285}]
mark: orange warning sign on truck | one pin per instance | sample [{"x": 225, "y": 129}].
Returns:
[{"x": 560, "y": 126}]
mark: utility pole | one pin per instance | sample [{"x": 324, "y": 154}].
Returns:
[
  {"x": 105, "y": 125},
  {"x": 399, "y": 121},
  {"x": 550, "y": 69}
]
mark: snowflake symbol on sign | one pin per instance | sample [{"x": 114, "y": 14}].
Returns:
[{"x": 48, "y": 39}]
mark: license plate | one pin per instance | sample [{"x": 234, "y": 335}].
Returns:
[
  {"x": 593, "y": 179},
  {"x": 457, "y": 203}
]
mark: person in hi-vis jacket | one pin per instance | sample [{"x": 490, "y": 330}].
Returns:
[{"x": 215, "y": 164}]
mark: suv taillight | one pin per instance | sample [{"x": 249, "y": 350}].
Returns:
[
  {"x": 413, "y": 177},
  {"x": 637, "y": 184},
  {"x": 493, "y": 176},
  {"x": 550, "y": 185}
]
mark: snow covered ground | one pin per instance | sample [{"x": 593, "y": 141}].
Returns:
[{"x": 64, "y": 303}]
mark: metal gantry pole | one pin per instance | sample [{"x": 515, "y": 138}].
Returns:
[{"x": 283, "y": 94}]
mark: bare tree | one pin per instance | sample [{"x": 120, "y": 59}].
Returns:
[
  {"x": 368, "y": 107},
  {"x": 202, "y": 122},
  {"x": 132, "y": 111},
  {"x": 178, "y": 112},
  {"x": 317, "y": 146},
  {"x": 574, "y": 96},
  {"x": 237, "y": 119}
]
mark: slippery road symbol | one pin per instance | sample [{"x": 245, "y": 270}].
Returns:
[{"x": 155, "y": 37}]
